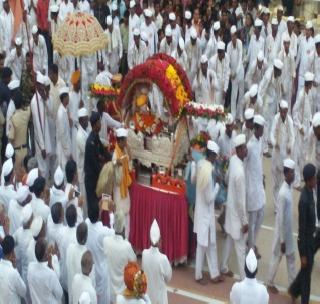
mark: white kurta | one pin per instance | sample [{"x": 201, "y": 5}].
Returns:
[
  {"x": 7, "y": 193},
  {"x": 82, "y": 283},
  {"x": 41, "y": 132},
  {"x": 15, "y": 216},
  {"x": 134, "y": 22},
  {"x": 158, "y": 270},
  {"x": 12, "y": 287},
  {"x": 237, "y": 75},
  {"x": 39, "y": 208},
  {"x": 167, "y": 48},
  {"x": 44, "y": 284},
  {"x": 315, "y": 69},
  {"x": 254, "y": 74},
  {"x": 222, "y": 70},
  {"x": 272, "y": 48},
  {"x": 137, "y": 55},
  {"x": 123, "y": 300},
  {"x": 193, "y": 56},
  {"x": 205, "y": 87},
  {"x": 114, "y": 50},
  {"x": 119, "y": 253},
  {"x": 152, "y": 35},
  {"x": 81, "y": 140},
  {"x": 226, "y": 143},
  {"x": 66, "y": 66},
  {"x": 96, "y": 235},
  {"x": 6, "y": 31},
  {"x": 107, "y": 122},
  {"x": 65, "y": 9},
  {"x": 64, "y": 147},
  {"x": 247, "y": 103},
  {"x": 73, "y": 107},
  {"x": 16, "y": 63},
  {"x": 40, "y": 55},
  {"x": 249, "y": 291},
  {"x": 255, "y": 45},
  {"x": 293, "y": 42}
]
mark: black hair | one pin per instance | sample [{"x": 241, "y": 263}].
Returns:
[
  {"x": 249, "y": 274},
  {"x": 63, "y": 95},
  {"x": 126, "y": 14},
  {"x": 40, "y": 249},
  {"x": 53, "y": 68},
  {"x": 56, "y": 212},
  {"x": 6, "y": 73},
  {"x": 17, "y": 98},
  {"x": 309, "y": 171},
  {"x": 7, "y": 244},
  {"x": 71, "y": 215},
  {"x": 39, "y": 186},
  {"x": 210, "y": 153},
  {"x": 71, "y": 170},
  {"x": 25, "y": 161},
  {"x": 93, "y": 214},
  {"x": 8, "y": 177}
]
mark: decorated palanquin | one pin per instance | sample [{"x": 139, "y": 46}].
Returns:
[{"x": 152, "y": 97}]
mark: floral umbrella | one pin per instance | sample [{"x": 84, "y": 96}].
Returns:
[{"x": 79, "y": 34}]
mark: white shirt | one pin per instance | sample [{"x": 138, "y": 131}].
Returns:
[
  {"x": 12, "y": 287},
  {"x": 152, "y": 34},
  {"x": 272, "y": 47},
  {"x": 7, "y": 193},
  {"x": 43, "y": 284},
  {"x": 158, "y": 269},
  {"x": 82, "y": 283},
  {"x": 107, "y": 121},
  {"x": 235, "y": 55},
  {"x": 222, "y": 70},
  {"x": 226, "y": 143},
  {"x": 167, "y": 48},
  {"x": 16, "y": 63},
  {"x": 205, "y": 86},
  {"x": 305, "y": 50},
  {"x": 81, "y": 140},
  {"x": 254, "y": 47},
  {"x": 293, "y": 42},
  {"x": 15, "y": 216},
  {"x": 65, "y": 9},
  {"x": 39, "y": 208},
  {"x": 118, "y": 252},
  {"x": 40, "y": 54},
  {"x": 256, "y": 197},
  {"x": 137, "y": 55},
  {"x": 6, "y": 30},
  {"x": 254, "y": 74},
  {"x": 249, "y": 291},
  {"x": 134, "y": 22}
]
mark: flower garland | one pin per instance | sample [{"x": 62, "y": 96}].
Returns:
[
  {"x": 98, "y": 91},
  {"x": 147, "y": 123},
  {"x": 200, "y": 141},
  {"x": 205, "y": 111},
  {"x": 163, "y": 75}
]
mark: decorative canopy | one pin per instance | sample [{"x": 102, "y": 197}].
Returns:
[{"x": 79, "y": 34}]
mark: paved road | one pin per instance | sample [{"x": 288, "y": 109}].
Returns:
[{"x": 183, "y": 288}]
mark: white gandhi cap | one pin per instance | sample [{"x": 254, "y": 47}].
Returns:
[
  {"x": 259, "y": 120},
  {"x": 248, "y": 113},
  {"x": 289, "y": 163},
  {"x": 58, "y": 176},
  {"x": 278, "y": 64},
  {"x": 216, "y": 26},
  {"x": 82, "y": 112},
  {"x": 26, "y": 213},
  {"x": 7, "y": 167},
  {"x": 309, "y": 25},
  {"x": 233, "y": 29},
  {"x": 121, "y": 132},
  {"x": 239, "y": 140},
  {"x": 168, "y": 31},
  {"x": 204, "y": 58},
  {"x": 13, "y": 84},
  {"x": 283, "y": 104},
  {"x": 193, "y": 33},
  {"x": 148, "y": 12},
  {"x": 22, "y": 194},
  {"x": 32, "y": 176},
  {"x": 109, "y": 20},
  {"x": 221, "y": 46},
  {"x": 18, "y": 41},
  {"x": 229, "y": 119},
  {"x": 260, "y": 56},
  {"x": 54, "y": 8},
  {"x": 34, "y": 30},
  {"x": 308, "y": 76},
  {"x": 290, "y": 19},
  {"x": 36, "y": 226},
  {"x": 132, "y": 3},
  {"x": 253, "y": 90},
  {"x": 9, "y": 151},
  {"x": 251, "y": 261},
  {"x": 172, "y": 17},
  {"x": 187, "y": 15},
  {"x": 136, "y": 32},
  {"x": 154, "y": 232},
  {"x": 274, "y": 21},
  {"x": 258, "y": 22},
  {"x": 316, "y": 120},
  {"x": 212, "y": 146}
]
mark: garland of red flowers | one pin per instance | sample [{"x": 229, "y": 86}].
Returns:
[
  {"x": 180, "y": 71},
  {"x": 98, "y": 90},
  {"x": 206, "y": 111},
  {"x": 152, "y": 71}
]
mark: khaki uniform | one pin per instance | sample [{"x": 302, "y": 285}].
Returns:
[{"x": 18, "y": 132}]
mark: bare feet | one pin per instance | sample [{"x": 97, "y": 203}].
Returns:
[
  {"x": 218, "y": 279},
  {"x": 273, "y": 289},
  {"x": 202, "y": 281},
  {"x": 256, "y": 251},
  {"x": 227, "y": 274}
]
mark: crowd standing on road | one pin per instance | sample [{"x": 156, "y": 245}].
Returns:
[{"x": 261, "y": 64}]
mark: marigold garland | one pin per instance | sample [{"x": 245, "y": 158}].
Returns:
[{"x": 98, "y": 90}]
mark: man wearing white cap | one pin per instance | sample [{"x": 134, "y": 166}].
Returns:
[
  {"x": 41, "y": 126},
  {"x": 113, "y": 51},
  {"x": 121, "y": 162},
  {"x": 266, "y": 27},
  {"x": 23, "y": 237},
  {"x": 206, "y": 41},
  {"x": 216, "y": 37},
  {"x": 157, "y": 267},
  {"x": 158, "y": 20},
  {"x": 193, "y": 50},
  {"x": 39, "y": 51},
  {"x": 315, "y": 69},
  {"x": 273, "y": 42},
  {"x": 188, "y": 24},
  {"x": 283, "y": 243},
  {"x": 257, "y": 42},
  {"x": 204, "y": 214},
  {"x": 256, "y": 197},
  {"x": 81, "y": 138},
  {"x": 306, "y": 47},
  {"x": 175, "y": 28},
  {"x": 234, "y": 51},
  {"x": 119, "y": 253},
  {"x": 288, "y": 74},
  {"x": 180, "y": 55},
  {"x": 39, "y": 202},
  {"x": 220, "y": 64},
  {"x": 205, "y": 84},
  {"x": 16, "y": 59},
  {"x": 38, "y": 230},
  {"x": 292, "y": 36},
  {"x": 282, "y": 140},
  {"x": 150, "y": 29},
  {"x": 247, "y": 127},
  {"x": 6, "y": 28},
  {"x": 302, "y": 116},
  {"x": 7, "y": 191},
  {"x": 138, "y": 52},
  {"x": 281, "y": 22},
  {"x": 256, "y": 70},
  {"x": 251, "y": 100},
  {"x": 57, "y": 194},
  {"x": 270, "y": 89},
  {"x": 236, "y": 223},
  {"x": 313, "y": 143},
  {"x": 249, "y": 291},
  {"x": 134, "y": 21},
  {"x": 226, "y": 138},
  {"x": 168, "y": 44},
  {"x": 63, "y": 135},
  {"x": 23, "y": 197}
]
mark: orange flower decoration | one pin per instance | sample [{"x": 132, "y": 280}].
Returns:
[{"x": 129, "y": 273}]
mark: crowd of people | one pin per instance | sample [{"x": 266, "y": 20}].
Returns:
[{"x": 263, "y": 67}]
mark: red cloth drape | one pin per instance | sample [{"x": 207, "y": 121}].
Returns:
[{"x": 171, "y": 212}]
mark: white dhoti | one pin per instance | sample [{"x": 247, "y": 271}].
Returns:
[
  {"x": 237, "y": 92},
  {"x": 255, "y": 222}
]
